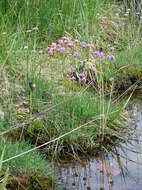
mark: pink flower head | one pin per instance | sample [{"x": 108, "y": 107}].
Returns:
[
  {"x": 72, "y": 78},
  {"x": 113, "y": 57},
  {"x": 83, "y": 44},
  {"x": 84, "y": 79},
  {"x": 58, "y": 45},
  {"x": 29, "y": 31},
  {"x": 82, "y": 75},
  {"x": 88, "y": 45},
  {"x": 62, "y": 50},
  {"x": 60, "y": 41},
  {"x": 25, "y": 47},
  {"x": 35, "y": 28},
  {"x": 50, "y": 52},
  {"x": 96, "y": 53},
  {"x": 101, "y": 54},
  {"x": 53, "y": 45},
  {"x": 47, "y": 49},
  {"x": 76, "y": 54},
  {"x": 40, "y": 52},
  {"x": 33, "y": 51},
  {"x": 111, "y": 79},
  {"x": 75, "y": 40},
  {"x": 64, "y": 38},
  {"x": 69, "y": 70},
  {"x": 66, "y": 41},
  {"x": 112, "y": 49},
  {"x": 108, "y": 56},
  {"x": 70, "y": 45}
]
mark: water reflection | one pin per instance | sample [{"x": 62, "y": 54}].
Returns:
[{"x": 119, "y": 170}]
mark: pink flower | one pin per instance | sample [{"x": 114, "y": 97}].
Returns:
[
  {"x": 112, "y": 49},
  {"x": 29, "y": 31},
  {"x": 113, "y": 57},
  {"x": 64, "y": 38},
  {"x": 33, "y": 51},
  {"x": 60, "y": 41},
  {"x": 72, "y": 78},
  {"x": 53, "y": 45},
  {"x": 47, "y": 49},
  {"x": 108, "y": 56},
  {"x": 40, "y": 52},
  {"x": 50, "y": 52},
  {"x": 83, "y": 44},
  {"x": 65, "y": 41},
  {"x": 76, "y": 54},
  {"x": 69, "y": 70},
  {"x": 62, "y": 50},
  {"x": 84, "y": 79},
  {"x": 101, "y": 54},
  {"x": 25, "y": 47},
  {"x": 35, "y": 28},
  {"x": 96, "y": 53},
  {"x": 58, "y": 46},
  {"x": 82, "y": 75},
  {"x": 111, "y": 79},
  {"x": 70, "y": 45},
  {"x": 75, "y": 40},
  {"x": 88, "y": 45}
]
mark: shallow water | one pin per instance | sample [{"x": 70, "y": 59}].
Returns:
[{"x": 120, "y": 170}]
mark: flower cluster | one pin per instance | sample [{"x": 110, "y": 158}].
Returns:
[
  {"x": 81, "y": 75},
  {"x": 75, "y": 50}
]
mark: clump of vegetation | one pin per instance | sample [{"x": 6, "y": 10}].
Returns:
[
  {"x": 58, "y": 86},
  {"x": 5, "y": 177},
  {"x": 37, "y": 182},
  {"x": 30, "y": 163},
  {"x": 28, "y": 171},
  {"x": 80, "y": 114}
]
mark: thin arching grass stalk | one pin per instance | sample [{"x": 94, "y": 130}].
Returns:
[
  {"x": 58, "y": 138},
  {"x": 49, "y": 142},
  {"x": 5, "y": 178},
  {"x": 132, "y": 87},
  {"x": 110, "y": 101}
]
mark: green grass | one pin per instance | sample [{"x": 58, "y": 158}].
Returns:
[
  {"x": 67, "y": 114},
  {"x": 31, "y": 163},
  {"x": 52, "y": 17},
  {"x": 38, "y": 85}
]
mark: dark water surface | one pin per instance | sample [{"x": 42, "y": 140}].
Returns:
[{"x": 120, "y": 170}]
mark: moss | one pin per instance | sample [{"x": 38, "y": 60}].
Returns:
[
  {"x": 129, "y": 77},
  {"x": 36, "y": 182},
  {"x": 30, "y": 163}
]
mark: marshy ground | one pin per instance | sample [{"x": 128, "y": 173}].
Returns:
[{"x": 67, "y": 78}]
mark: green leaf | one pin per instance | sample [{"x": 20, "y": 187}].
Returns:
[{"x": 1, "y": 159}]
